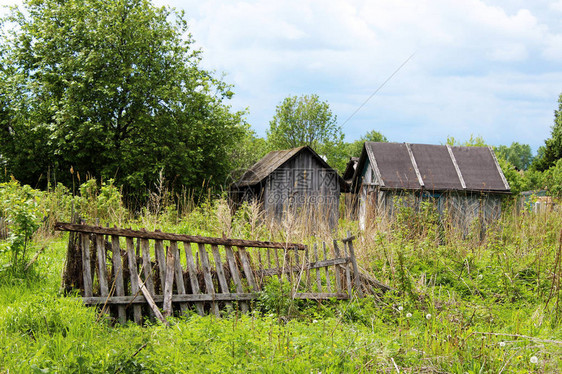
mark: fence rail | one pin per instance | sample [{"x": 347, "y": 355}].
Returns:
[{"x": 135, "y": 273}]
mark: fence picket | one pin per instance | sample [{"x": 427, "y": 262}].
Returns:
[
  {"x": 102, "y": 267},
  {"x": 147, "y": 266},
  {"x": 337, "y": 269},
  {"x": 318, "y": 278},
  {"x": 356, "y": 274},
  {"x": 235, "y": 274},
  {"x": 180, "y": 284},
  {"x": 118, "y": 276},
  {"x": 86, "y": 269},
  {"x": 161, "y": 258},
  {"x": 169, "y": 281},
  {"x": 132, "y": 259},
  {"x": 193, "y": 276},
  {"x": 220, "y": 271},
  {"x": 328, "y": 283},
  {"x": 209, "y": 286},
  {"x": 247, "y": 268}
]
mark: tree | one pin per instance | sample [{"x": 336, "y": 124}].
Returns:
[
  {"x": 354, "y": 149},
  {"x": 112, "y": 89},
  {"x": 474, "y": 141},
  {"x": 519, "y": 155},
  {"x": 553, "y": 145},
  {"x": 248, "y": 151},
  {"x": 305, "y": 120}
]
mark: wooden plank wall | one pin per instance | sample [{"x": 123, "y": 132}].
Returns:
[
  {"x": 303, "y": 185},
  {"x": 206, "y": 275}
]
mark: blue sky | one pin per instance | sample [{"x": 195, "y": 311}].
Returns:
[{"x": 484, "y": 67}]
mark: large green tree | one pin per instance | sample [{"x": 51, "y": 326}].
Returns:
[
  {"x": 306, "y": 120},
  {"x": 553, "y": 145},
  {"x": 113, "y": 89},
  {"x": 519, "y": 155},
  {"x": 354, "y": 149}
]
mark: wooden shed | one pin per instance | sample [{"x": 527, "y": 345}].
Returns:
[
  {"x": 465, "y": 182},
  {"x": 296, "y": 181}
]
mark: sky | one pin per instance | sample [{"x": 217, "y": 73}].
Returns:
[{"x": 490, "y": 68}]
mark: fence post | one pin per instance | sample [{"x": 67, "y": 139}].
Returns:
[{"x": 357, "y": 275}]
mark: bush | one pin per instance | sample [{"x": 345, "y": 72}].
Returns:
[
  {"x": 276, "y": 298},
  {"x": 18, "y": 208}
]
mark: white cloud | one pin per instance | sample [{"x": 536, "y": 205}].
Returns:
[
  {"x": 488, "y": 67},
  {"x": 556, "y": 5},
  {"x": 478, "y": 67}
]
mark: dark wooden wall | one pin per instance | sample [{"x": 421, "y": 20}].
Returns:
[{"x": 304, "y": 188}]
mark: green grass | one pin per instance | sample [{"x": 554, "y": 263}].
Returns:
[{"x": 461, "y": 305}]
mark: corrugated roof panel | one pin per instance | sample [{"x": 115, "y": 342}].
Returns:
[
  {"x": 478, "y": 168},
  {"x": 436, "y": 167},
  {"x": 261, "y": 169},
  {"x": 395, "y": 165}
]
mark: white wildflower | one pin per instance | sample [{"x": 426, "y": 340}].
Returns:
[
  {"x": 314, "y": 321},
  {"x": 400, "y": 308},
  {"x": 428, "y": 316},
  {"x": 534, "y": 360},
  {"x": 502, "y": 344},
  {"x": 408, "y": 315}
]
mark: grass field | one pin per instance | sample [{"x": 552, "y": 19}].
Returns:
[{"x": 462, "y": 304}]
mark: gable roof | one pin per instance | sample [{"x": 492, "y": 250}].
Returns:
[
  {"x": 350, "y": 169},
  {"x": 432, "y": 167},
  {"x": 274, "y": 160}
]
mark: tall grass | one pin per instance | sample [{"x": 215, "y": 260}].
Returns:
[{"x": 461, "y": 302}]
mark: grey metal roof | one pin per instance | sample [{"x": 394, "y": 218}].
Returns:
[
  {"x": 269, "y": 163},
  {"x": 432, "y": 167},
  {"x": 350, "y": 169},
  {"x": 274, "y": 160}
]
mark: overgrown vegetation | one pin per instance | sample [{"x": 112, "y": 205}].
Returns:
[{"x": 461, "y": 303}]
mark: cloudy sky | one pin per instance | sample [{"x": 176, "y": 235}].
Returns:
[{"x": 484, "y": 67}]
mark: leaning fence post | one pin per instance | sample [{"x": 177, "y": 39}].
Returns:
[{"x": 356, "y": 273}]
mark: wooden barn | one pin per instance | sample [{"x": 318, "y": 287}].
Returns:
[
  {"x": 296, "y": 181},
  {"x": 465, "y": 182}
]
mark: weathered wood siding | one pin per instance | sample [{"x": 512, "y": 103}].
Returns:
[
  {"x": 461, "y": 209},
  {"x": 304, "y": 187}
]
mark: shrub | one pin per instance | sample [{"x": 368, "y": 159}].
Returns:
[{"x": 18, "y": 207}]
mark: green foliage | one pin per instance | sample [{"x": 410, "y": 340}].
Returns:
[
  {"x": 305, "y": 120},
  {"x": 519, "y": 155},
  {"x": 414, "y": 219},
  {"x": 514, "y": 177},
  {"x": 112, "y": 89},
  {"x": 553, "y": 145},
  {"x": 19, "y": 210},
  {"x": 354, "y": 149},
  {"x": 276, "y": 297},
  {"x": 247, "y": 152},
  {"x": 553, "y": 179},
  {"x": 477, "y": 141},
  {"x": 103, "y": 203}
]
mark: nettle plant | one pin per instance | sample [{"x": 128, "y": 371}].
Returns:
[{"x": 20, "y": 212}]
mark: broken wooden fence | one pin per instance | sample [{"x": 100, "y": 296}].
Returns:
[{"x": 123, "y": 270}]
